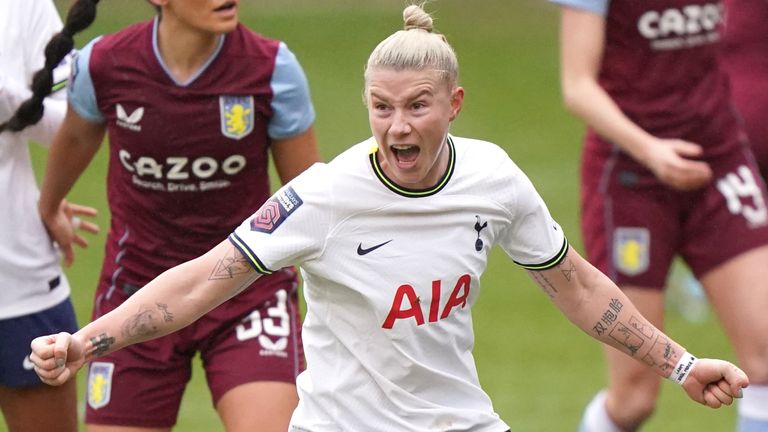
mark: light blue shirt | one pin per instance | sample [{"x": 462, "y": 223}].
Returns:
[{"x": 599, "y": 7}]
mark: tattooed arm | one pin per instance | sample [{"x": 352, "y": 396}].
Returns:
[
  {"x": 171, "y": 301},
  {"x": 596, "y": 305}
]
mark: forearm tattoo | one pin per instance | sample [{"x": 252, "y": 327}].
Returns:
[
  {"x": 662, "y": 355},
  {"x": 609, "y": 316},
  {"x": 167, "y": 315},
  {"x": 101, "y": 344},
  {"x": 145, "y": 323},
  {"x": 636, "y": 337},
  {"x": 230, "y": 265}
]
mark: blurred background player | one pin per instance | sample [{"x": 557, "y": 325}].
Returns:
[
  {"x": 34, "y": 292},
  {"x": 192, "y": 102},
  {"x": 666, "y": 170},
  {"x": 744, "y": 56}
]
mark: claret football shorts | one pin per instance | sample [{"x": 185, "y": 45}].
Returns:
[
  {"x": 248, "y": 338},
  {"x": 633, "y": 226}
]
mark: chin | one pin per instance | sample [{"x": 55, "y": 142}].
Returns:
[{"x": 227, "y": 28}]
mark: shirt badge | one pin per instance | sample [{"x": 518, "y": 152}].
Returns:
[
  {"x": 100, "y": 384},
  {"x": 237, "y": 116},
  {"x": 631, "y": 250}
]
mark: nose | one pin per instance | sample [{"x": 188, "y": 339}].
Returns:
[{"x": 400, "y": 124}]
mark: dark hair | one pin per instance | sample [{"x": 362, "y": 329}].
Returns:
[{"x": 80, "y": 16}]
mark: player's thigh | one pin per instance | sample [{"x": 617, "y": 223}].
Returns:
[
  {"x": 139, "y": 386},
  {"x": 252, "y": 354},
  {"x": 730, "y": 216},
  {"x": 264, "y": 406},
  {"x": 738, "y": 291},
  {"x": 40, "y": 408}
]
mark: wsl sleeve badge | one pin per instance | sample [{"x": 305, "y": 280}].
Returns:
[
  {"x": 276, "y": 210},
  {"x": 99, "y": 384}
]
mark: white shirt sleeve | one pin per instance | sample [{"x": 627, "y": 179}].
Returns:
[
  {"x": 533, "y": 240},
  {"x": 40, "y": 24},
  {"x": 292, "y": 226}
]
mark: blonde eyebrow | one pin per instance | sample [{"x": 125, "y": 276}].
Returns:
[{"x": 373, "y": 94}]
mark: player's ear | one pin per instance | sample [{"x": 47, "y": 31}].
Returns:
[{"x": 457, "y": 101}]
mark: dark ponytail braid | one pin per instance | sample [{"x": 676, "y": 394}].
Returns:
[{"x": 80, "y": 16}]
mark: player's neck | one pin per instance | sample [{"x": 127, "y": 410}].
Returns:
[{"x": 185, "y": 51}]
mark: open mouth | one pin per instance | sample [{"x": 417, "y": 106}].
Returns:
[
  {"x": 405, "y": 154},
  {"x": 226, "y": 6}
]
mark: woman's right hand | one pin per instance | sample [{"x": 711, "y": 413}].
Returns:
[
  {"x": 671, "y": 162},
  {"x": 57, "y": 357},
  {"x": 63, "y": 227}
]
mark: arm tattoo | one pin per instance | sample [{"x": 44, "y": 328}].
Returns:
[
  {"x": 101, "y": 344},
  {"x": 567, "y": 268},
  {"x": 142, "y": 324},
  {"x": 609, "y": 316},
  {"x": 167, "y": 315},
  {"x": 231, "y": 264},
  {"x": 541, "y": 280},
  {"x": 637, "y": 337},
  {"x": 628, "y": 338},
  {"x": 661, "y": 354}
]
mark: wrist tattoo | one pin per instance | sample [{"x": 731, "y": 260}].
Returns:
[
  {"x": 101, "y": 344},
  {"x": 661, "y": 354}
]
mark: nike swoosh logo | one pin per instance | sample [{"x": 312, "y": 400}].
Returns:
[
  {"x": 361, "y": 251},
  {"x": 27, "y": 364}
]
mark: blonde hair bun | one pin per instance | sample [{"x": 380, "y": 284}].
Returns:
[{"x": 416, "y": 18}]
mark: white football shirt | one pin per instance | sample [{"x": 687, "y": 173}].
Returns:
[
  {"x": 390, "y": 277},
  {"x": 30, "y": 276}
]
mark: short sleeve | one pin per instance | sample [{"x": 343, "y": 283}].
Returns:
[
  {"x": 42, "y": 24},
  {"x": 290, "y": 227},
  {"x": 293, "y": 112},
  {"x": 599, "y": 7},
  {"x": 81, "y": 93},
  {"x": 533, "y": 239}
]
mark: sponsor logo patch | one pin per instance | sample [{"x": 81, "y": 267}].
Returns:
[
  {"x": 631, "y": 250},
  {"x": 237, "y": 116},
  {"x": 129, "y": 121},
  {"x": 275, "y": 210},
  {"x": 100, "y": 384}
]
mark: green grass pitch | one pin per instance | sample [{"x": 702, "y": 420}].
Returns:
[{"x": 539, "y": 369}]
